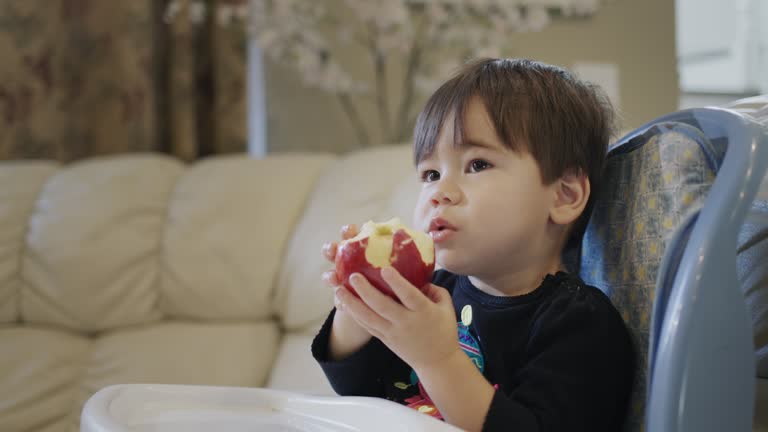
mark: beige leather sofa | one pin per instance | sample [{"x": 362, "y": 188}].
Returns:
[{"x": 140, "y": 269}]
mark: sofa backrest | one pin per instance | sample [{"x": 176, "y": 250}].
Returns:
[
  {"x": 118, "y": 241},
  {"x": 374, "y": 184}
]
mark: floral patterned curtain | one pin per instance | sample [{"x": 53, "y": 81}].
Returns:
[{"x": 81, "y": 78}]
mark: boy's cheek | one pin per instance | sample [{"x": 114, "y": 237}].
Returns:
[
  {"x": 421, "y": 217},
  {"x": 418, "y": 222}
]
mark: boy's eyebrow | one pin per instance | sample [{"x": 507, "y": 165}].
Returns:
[{"x": 474, "y": 142}]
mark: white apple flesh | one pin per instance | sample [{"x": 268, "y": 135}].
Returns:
[{"x": 387, "y": 244}]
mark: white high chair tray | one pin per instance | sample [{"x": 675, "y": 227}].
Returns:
[{"x": 172, "y": 408}]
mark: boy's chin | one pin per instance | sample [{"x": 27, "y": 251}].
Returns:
[{"x": 452, "y": 265}]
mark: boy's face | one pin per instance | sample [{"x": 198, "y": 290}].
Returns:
[{"x": 485, "y": 206}]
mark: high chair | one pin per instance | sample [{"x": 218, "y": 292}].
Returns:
[{"x": 662, "y": 242}]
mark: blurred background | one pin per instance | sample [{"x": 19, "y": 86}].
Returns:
[{"x": 193, "y": 78}]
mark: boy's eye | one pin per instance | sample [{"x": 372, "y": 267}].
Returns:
[
  {"x": 430, "y": 176},
  {"x": 478, "y": 165}
]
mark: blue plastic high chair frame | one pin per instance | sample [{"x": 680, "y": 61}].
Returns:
[{"x": 701, "y": 356}]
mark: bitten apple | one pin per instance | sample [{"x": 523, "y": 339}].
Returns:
[{"x": 387, "y": 244}]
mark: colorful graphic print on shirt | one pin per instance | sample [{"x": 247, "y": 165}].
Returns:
[{"x": 413, "y": 394}]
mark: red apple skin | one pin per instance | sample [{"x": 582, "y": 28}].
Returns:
[{"x": 405, "y": 258}]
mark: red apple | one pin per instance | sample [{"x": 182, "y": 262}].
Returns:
[{"x": 387, "y": 244}]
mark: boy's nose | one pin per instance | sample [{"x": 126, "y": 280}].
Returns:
[{"x": 444, "y": 197}]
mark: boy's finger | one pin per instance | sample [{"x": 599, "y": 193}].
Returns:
[
  {"x": 337, "y": 298},
  {"x": 331, "y": 278},
  {"x": 410, "y": 296},
  {"x": 380, "y": 303},
  {"x": 329, "y": 250},
  {"x": 360, "y": 311},
  {"x": 437, "y": 294},
  {"x": 348, "y": 231}
]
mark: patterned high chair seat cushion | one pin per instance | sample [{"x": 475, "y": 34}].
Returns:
[{"x": 654, "y": 185}]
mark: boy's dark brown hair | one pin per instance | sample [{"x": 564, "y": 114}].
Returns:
[{"x": 563, "y": 122}]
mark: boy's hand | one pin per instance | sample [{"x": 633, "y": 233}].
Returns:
[
  {"x": 346, "y": 335},
  {"x": 331, "y": 278},
  {"x": 421, "y": 329}
]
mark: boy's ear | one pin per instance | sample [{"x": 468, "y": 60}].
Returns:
[{"x": 571, "y": 194}]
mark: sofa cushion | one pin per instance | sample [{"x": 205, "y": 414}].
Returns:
[
  {"x": 228, "y": 222},
  {"x": 296, "y": 370},
  {"x": 374, "y": 184},
  {"x": 91, "y": 259},
  {"x": 20, "y": 185},
  {"x": 40, "y": 371}
]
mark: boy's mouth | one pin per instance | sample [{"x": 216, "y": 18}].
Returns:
[{"x": 440, "y": 229}]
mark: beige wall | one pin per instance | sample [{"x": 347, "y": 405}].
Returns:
[{"x": 637, "y": 35}]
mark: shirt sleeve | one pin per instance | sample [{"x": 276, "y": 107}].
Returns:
[
  {"x": 578, "y": 373},
  {"x": 363, "y": 373}
]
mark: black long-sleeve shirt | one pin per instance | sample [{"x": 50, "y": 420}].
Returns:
[{"x": 560, "y": 357}]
